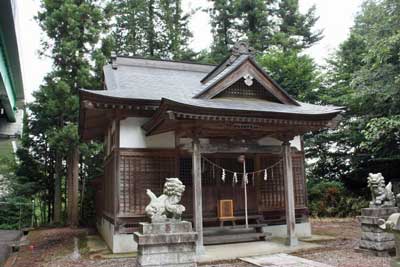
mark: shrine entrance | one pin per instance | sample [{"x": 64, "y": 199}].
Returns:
[{"x": 222, "y": 179}]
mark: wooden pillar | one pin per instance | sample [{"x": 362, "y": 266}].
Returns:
[
  {"x": 197, "y": 195},
  {"x": 289, "y": 195}
]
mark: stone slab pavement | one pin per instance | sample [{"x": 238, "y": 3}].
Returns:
[
  {"x": 248, "y": 249},
  {"x": 282, "y": 260},
  {"x": 7, "y": 239}
]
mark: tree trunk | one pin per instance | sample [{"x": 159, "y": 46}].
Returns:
[
  {"x": 150, "y": 29},
  {"x": 57, "y": 189},
  {"x": 73, "y": 187},
  {"x": 69, "y": 188}
]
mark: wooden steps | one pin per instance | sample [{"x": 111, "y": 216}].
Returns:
[
  {"x": 234, "y": 234},
  {"x": 233, "y": 238}
]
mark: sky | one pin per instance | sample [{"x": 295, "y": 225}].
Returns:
[{"x": 335, "y": 19}]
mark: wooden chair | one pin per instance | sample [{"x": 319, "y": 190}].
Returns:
[{"x": 225, "y": 211}]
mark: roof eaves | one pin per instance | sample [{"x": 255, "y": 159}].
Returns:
[
  {"x": 84, "y": 93},
  {"x": 168, "y": 103}
]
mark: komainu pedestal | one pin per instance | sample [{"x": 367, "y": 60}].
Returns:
[
  {"x": 392, "y": 225},
  {"x": 167, "y": 240},
  {"x": 373, "y": 238},
  {"x": 166, "y": 244}
]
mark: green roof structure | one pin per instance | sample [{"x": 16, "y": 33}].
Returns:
[{"x": 11, "y": 87}]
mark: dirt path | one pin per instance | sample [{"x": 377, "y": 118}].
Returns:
[{"x": 57, "y": 248}]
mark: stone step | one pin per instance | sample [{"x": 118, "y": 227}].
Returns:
[
  {"x": 235, "y": 238},
  {"x": 253, "y": 228},
  {"x": 227, "y": 231}
]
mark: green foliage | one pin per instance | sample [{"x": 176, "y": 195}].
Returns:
[
  {"x": 256, "y": 22},
  {"x": 331, "y": 199},
  {"x": 15, "y": 201},
  {"x": 294, "y": 72},
  {"x": 363, "y": 76},
  {"x": 73, "y": 41},
  {"x": 264, "y": 24},
  {"x": 382, "y": 136},
  {"x": 295, "y": 29},
  {"x": 222, "y": 16},
  {"x": 154, "y": 28}
]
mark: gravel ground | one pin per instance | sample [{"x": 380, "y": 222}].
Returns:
[
  {"x": 341, "y": 252},
  {"x": 55, "y": 248}
]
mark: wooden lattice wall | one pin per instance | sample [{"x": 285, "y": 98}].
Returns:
[
  {"x": 141, "y": 170},
  {"x": 240, "y": 89},
  {"x": 109, "y": 184},
  {"x": 271, "y": 193}
]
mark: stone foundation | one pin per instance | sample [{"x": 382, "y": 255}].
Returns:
[
  {"x": 118, "y": 243},
  {"x": 374, "y": 239},
  {"x": 166, "y": 244}
]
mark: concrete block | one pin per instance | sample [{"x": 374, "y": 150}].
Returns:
[
  {"x": 302, "y": 230},
  {"x": 369, "y": 220},
  {"x": 166, "y": 244},
  {"x": 378, "y": 246},
  {"x": 371, "y": 228},
  {"x": 377, "y": 237},
  {"x": 163, "y": 228},
  {"x": 165, "y": 238},
  {"x": 186, "y": 257},
  {"x": 155, "y": 249},
  {"x": 379, "y": 212},
  {"x": 118, "y": 243},
  {"x": 373, "y": 238}
]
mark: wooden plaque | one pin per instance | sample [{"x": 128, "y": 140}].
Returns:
[{"x": 225, "y": 209}]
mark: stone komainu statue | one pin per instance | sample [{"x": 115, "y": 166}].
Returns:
[
  {"x": 166, "y": 207},
  {"x": 381, "y": 196}
]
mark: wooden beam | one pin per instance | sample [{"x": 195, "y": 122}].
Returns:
[
  {"x": 197, "y": 195},
  {"x": 289, "y": 195}
]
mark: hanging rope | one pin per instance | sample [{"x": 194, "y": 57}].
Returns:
[{"x": 235, "y": 174}]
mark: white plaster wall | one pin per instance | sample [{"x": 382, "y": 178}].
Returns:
[
  {"x": 118, "y": 243},
  {"x": 133, "y": 136},
  {"x": 270, "y": 141}
]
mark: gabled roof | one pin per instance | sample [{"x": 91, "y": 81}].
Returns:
[
  {"x": 242, "y": 66},
  {"x": 133, "y": 82}
]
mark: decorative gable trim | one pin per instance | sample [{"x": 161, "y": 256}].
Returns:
[
  {"x": 246, "y": 67},
  {"x": 249, "y": 88},
  {"x": 239, "y": 49}
]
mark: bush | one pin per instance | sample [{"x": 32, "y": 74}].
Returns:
[{"x": 331, "y": 199}]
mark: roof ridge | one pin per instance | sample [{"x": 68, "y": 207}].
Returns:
[
  {"x": 160, "y": 64},
  {"x": 167, "y": 60}
]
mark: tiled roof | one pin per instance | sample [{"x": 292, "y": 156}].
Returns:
[{"x": 143, "y": 79}]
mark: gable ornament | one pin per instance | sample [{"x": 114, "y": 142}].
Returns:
[
  {"x": 248, "y": 79},
  {"x": 242, "y": 48}
]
